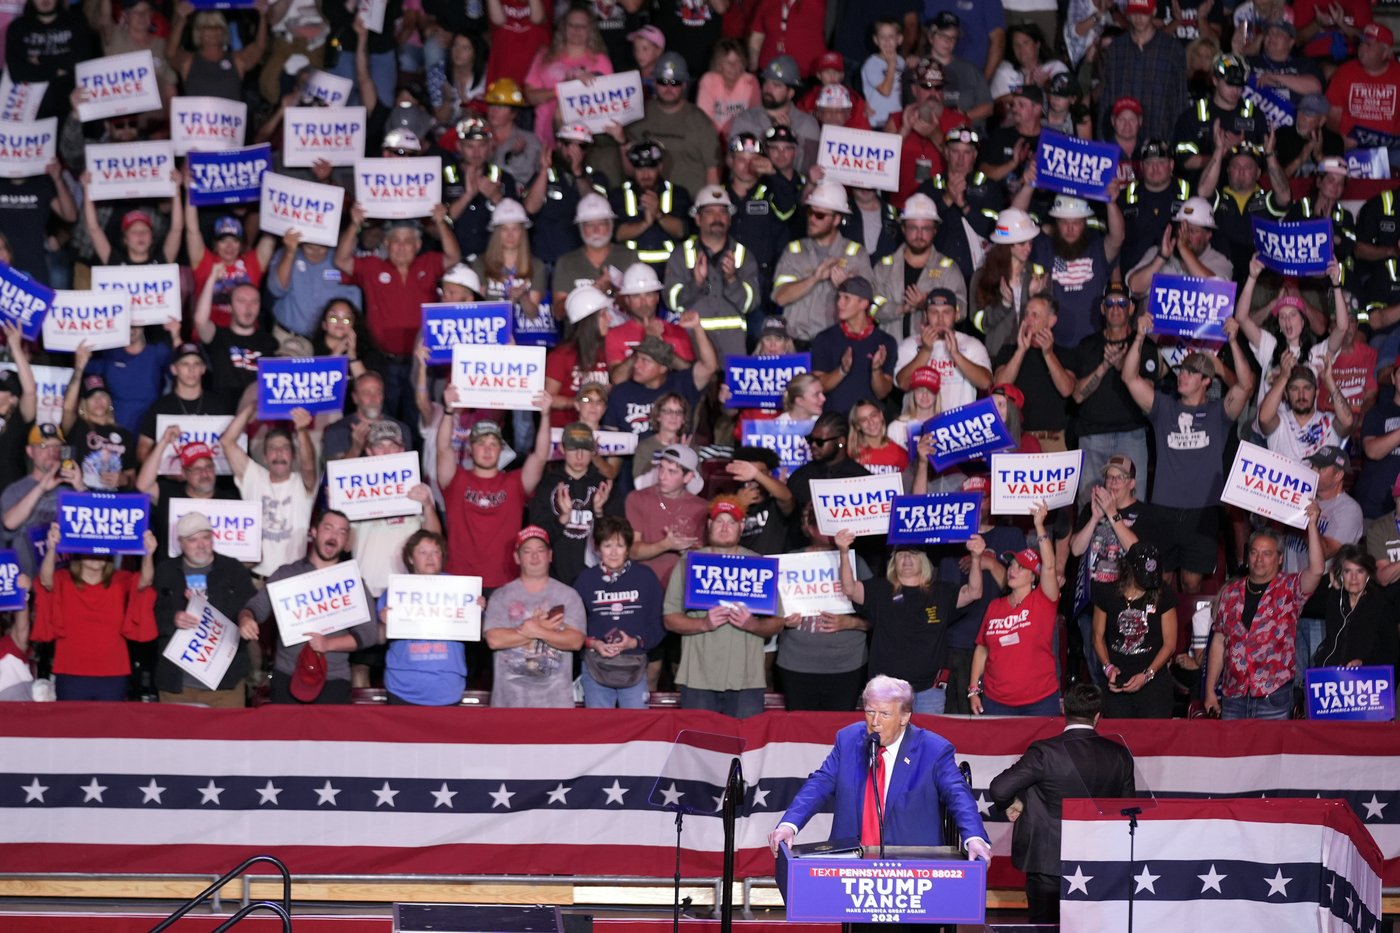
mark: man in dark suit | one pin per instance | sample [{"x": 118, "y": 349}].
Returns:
[
  {"x": 916, "y": 771},
  {"x": 1076, "y": 763}
]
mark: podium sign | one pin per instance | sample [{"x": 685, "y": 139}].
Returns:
[{"x": 849, "y": 890}]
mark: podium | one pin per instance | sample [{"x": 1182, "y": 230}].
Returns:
[{"x": 907, "y": 886}]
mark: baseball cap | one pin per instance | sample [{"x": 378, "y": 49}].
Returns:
[
  {"x": 600, "y": 389},
  {"x": 1332, "y": 165},
  {"x": 381, "y": 431},
  {"x": 978, "y": 482},
  {"x": 486, "y": 428},
  {"x": 578, "y": 436},
  {"x": 650, "y": 33},
  {"x": 188, "y": 349},
  {"x": 1375, "y": 32},
  {"x": 942, "y": 296},
  {"x": 1301, "y": 372},
  {"x": 46, "y": 431},
  {"x": 1064, "y": 84},
  {"x": 1012, "y": 394},
  {"x": 1198, "y": 363},
  {"x": 1329, "y": 456},
  {"x": 191, "y": 524},
  {"x": 728, "y": 505},
  {"x": 657, "y": 349},
  {"x": 309, "y": 678},
  {"x": 130, "y": 218},
  {"x": 830, "y": 60},
  {"x": 92, "y": 384},
  {"x": 1031, "y": 93},
  {"x": 195, "y": 451},
  {"x": 773, "y": 327},
  {"x": 1122, "y": 463},
  {"x": 926, "y": 377},
  {"x": 859, "y": 286},
  {"x": 531, "y": 532},
  {"x": 681, "y": 456},
  {"x": 1315, "y": 104},
  {"x": 947, "y": 19},
  {"x": 1026, "y": 557},
  {"x": 1140, "y": 6},
  {"x": 9, "y": 382},
  {"x": 228, "y": 225},
  {"x": 1127, "y": 103}
]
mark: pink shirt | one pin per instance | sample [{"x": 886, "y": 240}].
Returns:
[
  {"x": 547, "y": 75},
  {"x": 722, "y": 104}
]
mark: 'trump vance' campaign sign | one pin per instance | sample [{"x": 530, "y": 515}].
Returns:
[
  {"x": 154, "y": 290},
  {"x": 26, "y": 149},
  {"x": 20, "y": 101},
  {"x": 1270, "y": 484},
  {"x": 967, "y": 432},
  {"x": 116, "y": 85},
  {"x": 374, "y": 487},
  {"x": 787, "y": 439},
  {"x": 1351, "y": 694},
  {"x": 936, "y": 518},
  {"x": 760, "y": 381},
  {"x": 11, "y": 596},
  {"x": 237, "y": 526},
  {"x": 102, "y": 522},
  {"x": 319, "y": 602},
  {"x": 314, "y": 383},
  {"x": 447, "y": 324},
  {"x": 809, "y": 583},
  {"x": 1075, "y": 166},
  {"x": 1276, "y": 107},
  {"x": 731, "y": 580},
  {"x": 208, "y": 123},
  {"x": 1019, "y": 481},
  {"x": 232, "y": 177},
  {"x": 131, "y": 170},
  {"x": 206, "y": 651},
  {"x": 310, "y": 134},
  {"x": 206, "y": 429},
  {"x": 497, "y": 377},
  {"x": 23, "y": 301},
  {"x": 398, "y": 189},
  {"x": 864, "y": 158},
  {"x": 1190, "y": 308},
  {"x": 1294, "y": 247},
  {"x": 858, "y": 504},
  {"x": 331, "y": 90},
  {"x": 442, "y": 608},
  {"x": 102, "y": 320},
  {"x": 50, "y": 382},
  {"x": 305, "y": 206},
  {"x": 605, "y": 100}
]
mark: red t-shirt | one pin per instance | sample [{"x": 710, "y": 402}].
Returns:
[
  {"x": 1305, "y": 13},
  {"x": 245, "y": 269},
  {"x": 562, "y": 366},
  {"x": 483, "y": 517},
  {"x": 1355, "y": 372},
  {"x": 888, "y": 459},
  {"x": 393, "y": 302},
  {"x": 91, "y": 625},
  {"x": 622, "y": 339},
  {"x": 1368, "y": 100},
  {"x": 801, "y": 33},
  {"x": 1020, "y": 645},
  {"x": 513, "y": 45}
]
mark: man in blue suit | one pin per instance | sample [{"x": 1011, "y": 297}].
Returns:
[{"x": 918, "y": 771}]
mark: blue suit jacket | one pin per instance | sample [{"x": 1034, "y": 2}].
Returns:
[{"x": 924, "y": 774}]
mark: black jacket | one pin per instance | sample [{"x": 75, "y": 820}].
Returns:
[
  {"x": 230, "y": 587},
  {"x": 1076, "y": 763}
]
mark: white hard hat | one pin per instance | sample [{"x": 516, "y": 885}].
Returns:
[
  {"x": 1197, "y": 212},
  {"x": 508, "y": 211},
  {"x": 463, "y": 275},
  {"x": 1332, "y": 165},
  {"x": 585, "y": 301},
  {"x": 593, "y": 207},
  {"x": 831, "y": 196},
  {"x": 1014, "y": 226},
  {"x": 402, "y": 138},
  {"x": 575, "y": 131},
  {"x": 640, "y": 279},
  {"x": 919, "y": 207},
  {"x": 1068, "y": 207},
  {"x": 711, "y": 196}
]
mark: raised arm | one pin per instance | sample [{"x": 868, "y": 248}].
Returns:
[
  {"x": 1139, "y": 388},
  {"x": 101, "y": 246},
  {"x": 533, "y": 470},
  {"x": 1049, "y": 580},
  {"x": 852, "y": 587},
  {"x": 147, "y": 479},
  {"x": 1311, "y": 575},
  {"x": 1268, "y": 407},
  {"x": 971, "y": 591},
  {"x": 29, "y": 399},
  {"x": 81, "y": 357},
  {"x": 446, "y": 455},
  {"x": 1245, "y": 302},
  {"x": 204, "y": 327},
  {"x": 1238, "y": 396},
  {"x": 345, "y": 248},
  {"x": 237, "y": 457}
]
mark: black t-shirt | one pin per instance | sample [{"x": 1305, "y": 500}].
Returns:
[
  {"x": 630, "y": 402},
  {"x": 26, "y": 204},
  {"x": 101, "y": 449},
  {"x": 1133, "y": 629},
  {"x": 569, "y": 534},
  {"x": 1109, "y": 408},
  {"x": 909, "y": 629},
  {"x": 765, "y": 528},
  {"x": 1046, "y": 409},
  {"x": 691, "y": 27},
  {"x": 233, "y": 359},
  {"x": 1105, "y": 551},
  {"x": 14, "y": 436}
]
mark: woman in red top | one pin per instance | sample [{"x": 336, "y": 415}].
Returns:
[
  {"x": 90, "y": 613},
  {"x": 1016, "y": 647},
  {"x": 580, "y": 357},
  {"x": 870, "y": 443}
]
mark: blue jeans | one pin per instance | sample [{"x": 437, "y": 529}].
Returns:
[
  {"x": 596, "y": 696},
  {"x": 1277, "y": 705},
  {"x": 1309, "y": 639},
  {"x": 1099, "y": 447},
  {"x": 1050, "y": 706},
  {"x": 741, "y": 704},
  {"x": 383, "y": 71},
  {"x": 933, "y": 700},
  {"x": 1091, "y": 660}
]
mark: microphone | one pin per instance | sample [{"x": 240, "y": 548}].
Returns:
[{"x": 872, "y": 748}]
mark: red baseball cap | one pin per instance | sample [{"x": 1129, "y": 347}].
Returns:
[
  {"x": 1127, "y": 103},
  {"x": 1140, "y": 6},
  {"x": 830, "y": 60},
  {"x": 1375, "y": 32},
  {"x": 194, "y": 452},
  {"x": 529, "y": 532},
  {"x": 1013, "y": 395},
  {"x": 977, "y": 483},
  {"x": 727, "y": 506},
  {"x": 135, "y": 217},
  {"x": 1026, "y": 557},
  {"x": 926, "y": 377},
  {"x": 309, "y": 679}
]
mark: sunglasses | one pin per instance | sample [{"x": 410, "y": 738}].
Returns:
[
  {"x": 123, "y": 124},
  {"x": 819, "y": 215},
  {"x": 666, "y": 82},
  {"x": 1115, "y": 302},
  {"x": 821, "y": 441}
]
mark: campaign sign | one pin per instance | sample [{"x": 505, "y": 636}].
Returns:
[
  {"x": 50, "y": 382},
  {"x": 116, "y": 85},
  {"x": 314, "y": 383},
  {"x": 210, "y": 124},
  {"x": 858, "y": 504},
  {"x": 538, "y": 331},
  {"x": 1294, "y": 247},
  {"x": 310, "y": 134},
  {"x": 447, "y": 324},
  {"x": 331, "y": 90},
  {"x": 372, "y": 14},
  {"x": 731, "y": 580},
  {"x": 23, "y": 301},
  {"x": 889, "y": 891},
  {"x": 131, "y": 170},
  {"x": 102, "y": 522},
  {"x": 231, "y": 177},
  {"x": 319, "y": 602},
  {"x": 374, "y": 487},
  {"x": 26, "y": 149},
  {"x": 11, "y": 596},
  {"x": 444, "y": 608},
  {"x": 1277, "y": 108},
  {"x": 39, "y": 544},
  {"x": 936, "y": 518},
  {"x": 1369, "y": 163},
  {"x": 864, "y": 158},
  {"x": 966, "y": 433},
  {"x": 1270, "y": 484},
  {"x": 787, "y": 439},
  {"x": 19, "y": 102},
  {"x": 1351, "y": 694},
  {"x": 1190, "y": 308},
  {"x": 398, "y": 189},
  {"x": 1019, "y": 481},
  {"x": 206, "y": 651},
  {"x": 760, "y": 381},
  {"x": 237, "y": 526},
  {"x": 1078, "y": 167},
  {"x": 608, "y": 443},
  {"x": 206, "y": 429},
  {"x": 605, "y": 100},
  {"x": 1367, "y": 138},
  {"x": 305, "y": 206},
  {"x": 497, "y": 377},
  {"x": 809, "y": 583},
  {"x": 100, "y": 319},
  {"x": 154, "y": 290}
]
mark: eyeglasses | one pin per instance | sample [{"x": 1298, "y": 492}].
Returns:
[
  {"x": 339, "y": 319},
  {"x": 821, "y": 441},
  {"x": 668, "y": 82},
  {"x": 402, "y": 152},
  {"x": 672, "y": 411},
  {"x": 1115, "y": 302}
]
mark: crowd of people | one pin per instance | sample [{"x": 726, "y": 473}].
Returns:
[{"x": 646, "y": 256}]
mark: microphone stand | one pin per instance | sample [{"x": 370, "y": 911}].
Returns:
[
  {"x": 877, "y": 749},
  {"x": 1132, "y": 814},
  {"x": 733, "y": 799}
]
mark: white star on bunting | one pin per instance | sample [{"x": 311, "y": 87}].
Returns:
[
  {"x": 1145, "y": 881},
  {"x": 268, "y": 793},
  {"x": 151, "y": 792},
  {"x": 93, "y": 791},
  {"x": 209, "y": 793},
  {"x": 616, "y": 792},
  {"x": 384, "y": 795},
  {"x": 560, "y": 794},
  {"x": 1277, "y": 884},
  {"x": 984, "y": 806},
  {"x": 673, "y": 796},
  {"x": 34, "y": 791},
  {"x": 1211, "y": 881},
  {"x": 327, "y": 794},
  {"x": 501, "y": 798},
  {"x": 1374, "y": 808},
  {"x": 1079, "y": 881},
  {"x": 760, "y": 798},
  {"x": 442, "y": 797}
]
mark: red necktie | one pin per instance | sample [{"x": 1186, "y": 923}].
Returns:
[{"x": 870, "y": 821}]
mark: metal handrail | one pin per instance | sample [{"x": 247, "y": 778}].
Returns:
[
  {"x": 224, "y": 879},
  {"x": 260, "y": 905}
]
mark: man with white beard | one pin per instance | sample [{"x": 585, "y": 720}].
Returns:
[
  {"x": 347, "y": 437},
  {"x": 598, "y": 260}
]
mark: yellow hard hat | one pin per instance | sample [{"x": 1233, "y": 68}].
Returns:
[{"x": 506, "y": 92}]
